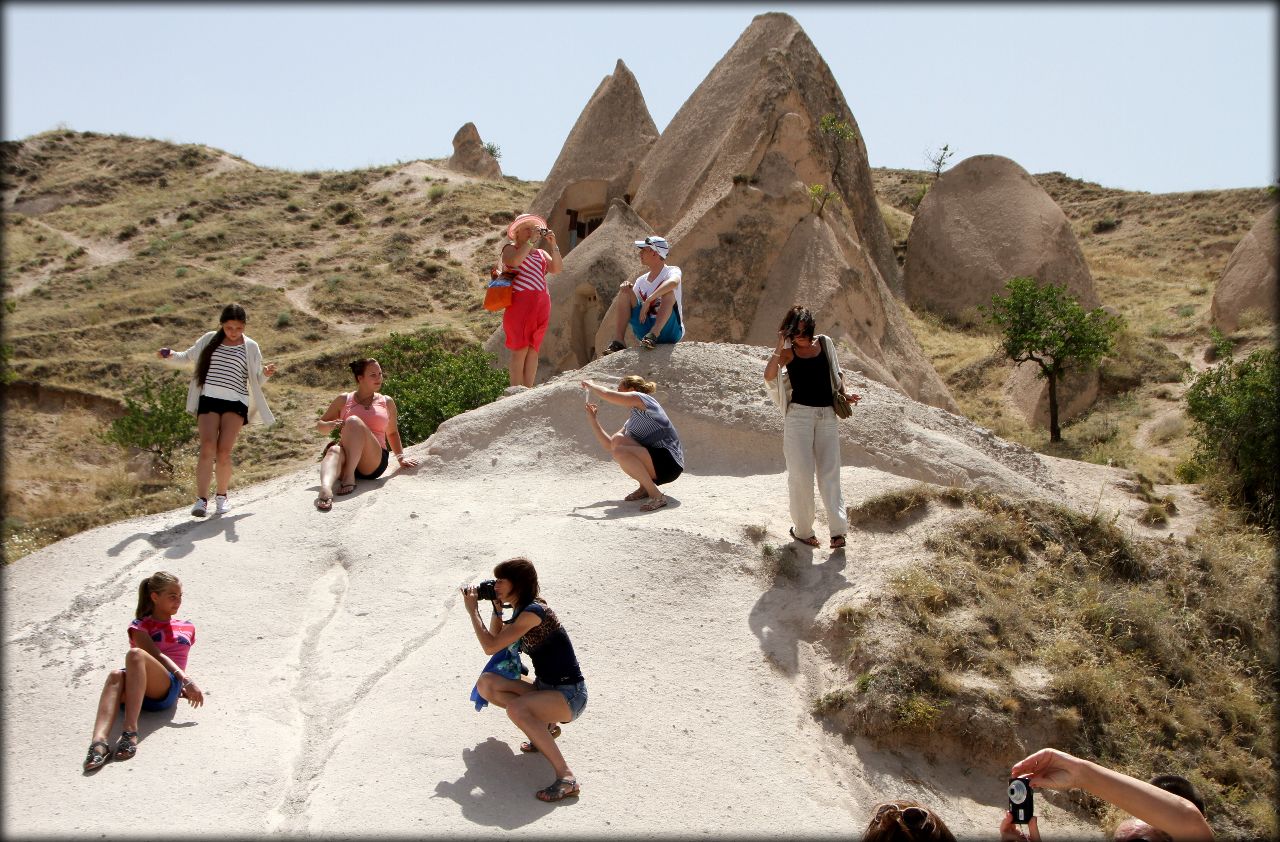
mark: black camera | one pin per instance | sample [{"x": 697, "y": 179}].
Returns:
[
  {"x": 542, "y": 232},
  {"x": 485, "y": 590},
  {"x": 1021, "y": 799}
]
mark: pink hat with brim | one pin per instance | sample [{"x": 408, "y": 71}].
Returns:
[{"x": 521, "y": 220}]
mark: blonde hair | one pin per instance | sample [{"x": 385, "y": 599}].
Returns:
[
  {"x": 154, "y": 583},
  {"x": 636, "y": 383}
]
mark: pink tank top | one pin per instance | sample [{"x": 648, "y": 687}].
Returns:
[{"x": 376, "y": 418}]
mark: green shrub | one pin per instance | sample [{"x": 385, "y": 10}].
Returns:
[
  {"x": 155, "y": 418},
  {"x": 1234, "y": 410},
  {"x": 1106, "y": 223},
  {"x": 431, "y": 383},
  {"x": 284, "y": 318},
  {"x": 436, "y": 193}
]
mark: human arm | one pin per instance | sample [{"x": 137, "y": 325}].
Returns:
[
  {"x": 393, "y": 437},
  {"x": 180, "y": 359},
  {"x": 781, "y": 356},
  {"x": 189, "y": 688},
  {"x": 332, "y": 418},
  {"x": 669, "y": 285},
  {"x": 507, "y": 635},
  {"x": 1175, "y": 815},
  {"x": 629, "y": 399},
  {"x": 557, "y": 262}
]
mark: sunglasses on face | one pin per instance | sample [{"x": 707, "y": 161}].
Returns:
[{"x": 913, "y": 818}]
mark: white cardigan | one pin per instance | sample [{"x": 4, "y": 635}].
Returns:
[{"x": 258, "y": 408}]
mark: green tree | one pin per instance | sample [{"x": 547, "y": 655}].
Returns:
[
  {"x": 155, "y": 418},
  {"x": 839, "y": 131},
  {"x": 1046, "y": 326},
  {"x": 495, "y": 150},
  {"x": 939, "y": 159},
  {"x": 1235, "y": 411},
  {"x": 819, "y": 196},
  {"x": 431, "y": 383}
]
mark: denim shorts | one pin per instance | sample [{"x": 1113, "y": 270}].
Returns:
[
  {"x": 170, "y": 699},
  {"x": 574, "y": 694}
]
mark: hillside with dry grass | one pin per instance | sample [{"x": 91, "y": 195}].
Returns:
[
  {"x": 115, "y": 246},
  {"x": 1155, "y": 259}
]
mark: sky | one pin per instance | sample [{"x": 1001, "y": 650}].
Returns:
[{"x": 1154, "y": 97}]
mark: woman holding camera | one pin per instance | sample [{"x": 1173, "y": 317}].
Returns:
[
  {"x": 810, "y": 438},
  {"x": 525, "y": 321},
  {"x": 558, "y": 692},
  {"x": 647, "y": 448}
]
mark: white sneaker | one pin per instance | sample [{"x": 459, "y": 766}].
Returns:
[
  {"x": 201, "y": 508},
  {"x": 223, "y": 504}
]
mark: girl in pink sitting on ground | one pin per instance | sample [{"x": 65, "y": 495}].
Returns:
[{"x": 154, "y": 673}]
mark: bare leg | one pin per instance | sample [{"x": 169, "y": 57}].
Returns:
[
  {"x": 108, "y": 703},
  {"x": 530, "y": 368},
  {"x": 636, "y": 462},
  {"x": 361, "y": 449},
  {"x": 664, "y": 312},
  {"x": 209, "y": 423},
  {"x": 230, "y": 428},
  {"x": 622, "y": 316},
  {"x": 501, "y": 691},
  {"x": 515, "y": 368},
  {"x": 330, "y": 470},
  {"x": 144, "y": 676},
  {"x": 532, "y": 712}
]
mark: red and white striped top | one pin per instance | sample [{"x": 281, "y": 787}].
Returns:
[{"x": 531, "y": 275}]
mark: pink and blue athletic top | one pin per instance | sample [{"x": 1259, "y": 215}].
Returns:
[{"x": 173, "y": 637}]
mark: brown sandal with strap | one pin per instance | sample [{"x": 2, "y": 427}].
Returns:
[
  {"x": 97, "y": 758},
  {"x": 561, "y": 789}
]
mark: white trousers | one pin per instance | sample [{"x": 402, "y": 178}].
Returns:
[{"x": 811, "y": 446}]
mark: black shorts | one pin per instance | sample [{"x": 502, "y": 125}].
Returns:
[
  {"x": 664, "y": 465},
  {"x": 218, "y": 406},
  {"x": 377, "y": 472}
]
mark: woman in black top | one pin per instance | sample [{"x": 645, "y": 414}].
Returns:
[
  {"x": 558, "y": 692},
  {"x": 810, "y": 438}
]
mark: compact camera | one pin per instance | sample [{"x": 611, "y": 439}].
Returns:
[
  {"x": 485, "y": 590},
  {"x": 1021, "y": 799},
  {"x": 542, "y": 232}
]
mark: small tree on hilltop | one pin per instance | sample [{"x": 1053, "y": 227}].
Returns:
[
  {"x": 1046, "y": 326},
  {"x": 839, "y": 131},
  {"x": 155, "y": 419}
]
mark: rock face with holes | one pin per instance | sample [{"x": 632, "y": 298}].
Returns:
[
  {"x": 470, "y": 156},
  {"x": 578, "y": 294},
  {"x": 1247, "y": 289},
  {"x": 986, "y": 220},
  {"x": 598, "y": 159}
]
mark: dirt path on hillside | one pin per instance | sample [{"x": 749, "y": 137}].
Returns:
[{"x": 97, "y": 253}]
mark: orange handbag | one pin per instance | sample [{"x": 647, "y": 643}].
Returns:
[{"x": 498, "y": 294}]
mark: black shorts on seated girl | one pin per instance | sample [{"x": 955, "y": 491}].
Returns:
[{"x": 218, "y": 406}]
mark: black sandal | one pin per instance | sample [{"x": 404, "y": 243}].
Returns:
[
  {"x": 614, "y": 346},
  {"x": 128, "y": 745},
  {"x": 562, "y": 788},
  {"x": 811, "y": 541},
  {"x": 96, "y": 758},
  {"x": 837, "y": 542}
]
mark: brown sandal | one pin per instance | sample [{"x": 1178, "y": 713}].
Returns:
[
  {"x": 97, "y": 757},
  {"x": 811, "y": 541},
  {"x": 128, "y": 745},
  {"x": 638, "y": 494}
]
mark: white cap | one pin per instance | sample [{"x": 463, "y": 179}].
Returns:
[{"x": 658, "y": 244}]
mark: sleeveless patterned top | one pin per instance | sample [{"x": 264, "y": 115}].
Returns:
[{"x": 531, "y": 275}]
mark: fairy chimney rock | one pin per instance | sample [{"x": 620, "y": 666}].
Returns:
[
  {"x": 598, "y": 159},
  {"x": 985, "y": 221},
  {"x": 582, "y": 293},
  {"x": 727, "y": 183},
  {"x": 1248, "y": 284},
  {"x": 470, "y": 156}
]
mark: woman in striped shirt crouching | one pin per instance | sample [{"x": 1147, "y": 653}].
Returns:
[
  {"x": 647, "y": 448},
  {"x": 224, "y": 395}
]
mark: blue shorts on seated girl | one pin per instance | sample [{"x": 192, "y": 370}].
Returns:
[
  {"x": 574, "y": 694},
  {"x": 170, "y": 699}
]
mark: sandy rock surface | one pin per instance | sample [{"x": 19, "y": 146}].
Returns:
[{"x": 337, "y": 660}]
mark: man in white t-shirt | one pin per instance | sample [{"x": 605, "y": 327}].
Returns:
[{"x": 656, "y": 311}]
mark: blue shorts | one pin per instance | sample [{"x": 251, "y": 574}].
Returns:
[
  {"x": 574, "y": 694},
  {"x": 672, "y": 331},
  {"x": 170, "y": 699}
]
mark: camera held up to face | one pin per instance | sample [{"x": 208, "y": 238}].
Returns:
[{"x": 485, "y": 590}]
